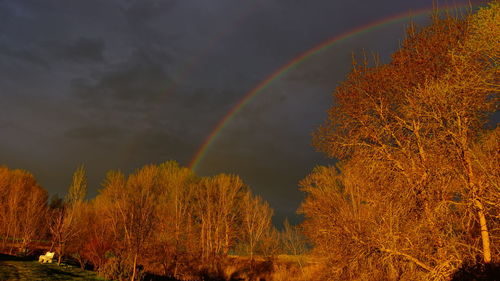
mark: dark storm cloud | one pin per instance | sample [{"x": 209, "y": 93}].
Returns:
[
  {"x": 144, "y": 11},
  {"x": 47, "y": 54},
  {"x": 142, "y": 78},
  {"x": 159, "y": 145},
  {"x": 154, "y": 139},
  {"x": 24, "y": 55},
  {"x": 209, "y": 99},
  {"x": 81, "y": 50},
  {"x": 95, "y": 133},
  {"x": 7, "y": 13}
]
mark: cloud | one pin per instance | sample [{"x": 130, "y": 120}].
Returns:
[
  {"x": 142, "y": 78},
  {"x": 46, "y": 54},
  {"x": 82, "y": 50},
  {"x": 95, "y": 132},
  {"x": 142, "y": 11},
  {"x": 24, "y": 55}
]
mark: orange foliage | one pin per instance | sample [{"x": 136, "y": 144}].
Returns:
[{"x": 412, "y": 192}]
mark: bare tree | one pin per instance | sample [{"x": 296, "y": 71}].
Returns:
[
  {"x": 78, "y": 188},
  {"x": 256, "y": 221},
  {"x": 406, "y": 133},
  {"x": 33, "y": 215},
  {"x": 66, "y": 223},
  {"x": 174, "y": 215},
  {"x": 23, "y": 206},
  {"x": 219, "y": 213}
]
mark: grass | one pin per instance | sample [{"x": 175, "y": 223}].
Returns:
[{"x": 12, "y": 268}]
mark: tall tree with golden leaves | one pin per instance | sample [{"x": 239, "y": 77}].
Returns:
[
  {"x": 256, "y": 221},
  {"x": 410, "y": 129},
  {"x": 78, "y": 188},
  {"x": 66, "y": 223}
]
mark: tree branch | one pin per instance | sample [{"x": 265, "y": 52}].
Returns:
[{"x": 408, "y": 257}]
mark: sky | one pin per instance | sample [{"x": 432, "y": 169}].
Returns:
[{"x": 119, "y": 84}]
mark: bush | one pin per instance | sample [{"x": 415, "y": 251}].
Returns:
[{"x": 116, "y": 268}]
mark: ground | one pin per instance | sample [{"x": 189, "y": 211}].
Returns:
[{"x": 12, "y": 268}]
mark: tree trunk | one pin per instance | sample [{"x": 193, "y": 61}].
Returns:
[
  {"x": 485, "y": 235},
  {"x": 52, "y": 246},
  {"x": 175, "y": 266},
  {"x": 134, "y": 268},
  {"x": 226, "y": 240},
  {"x": 81, "y": 261},
  {"x": 59, "y": 258}
]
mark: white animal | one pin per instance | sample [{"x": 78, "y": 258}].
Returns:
[{"x": 47, "y": 257}]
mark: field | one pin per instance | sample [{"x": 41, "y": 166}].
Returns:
[{"x": 12, "y": 268}]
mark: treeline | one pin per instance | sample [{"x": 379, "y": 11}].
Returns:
[
  {"x": 162, "y": 219},
  {"x": 23, "y": 207},
  {"x": 416, "y": 192}
]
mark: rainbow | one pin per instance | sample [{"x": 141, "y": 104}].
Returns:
[{"x": 280, "y": 72}]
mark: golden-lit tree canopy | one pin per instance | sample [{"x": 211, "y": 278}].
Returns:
[
  {"x": 416, "y": 191},
  {"x": 161, "y": 217},
  {"x": 78, "y": 188},
  {"x": 23, "y": 204}
]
